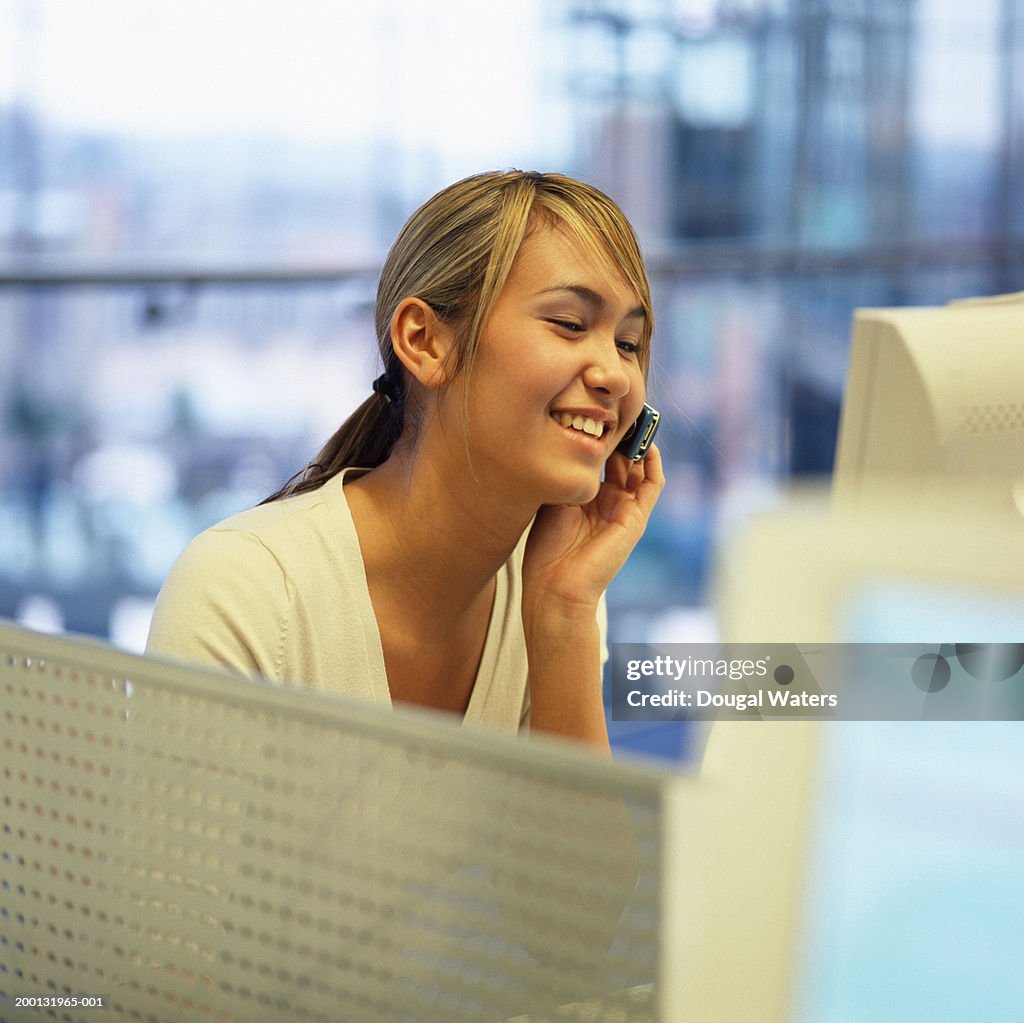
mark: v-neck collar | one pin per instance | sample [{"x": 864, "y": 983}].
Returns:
[{"x": 363, "y": 610}]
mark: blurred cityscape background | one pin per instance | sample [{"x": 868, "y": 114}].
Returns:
[{"x": 195, "y": 196}]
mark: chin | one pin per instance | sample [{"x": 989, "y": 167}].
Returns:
[
  {"x": 549, "y": 482},
  {"x": 569, "y": 491}
]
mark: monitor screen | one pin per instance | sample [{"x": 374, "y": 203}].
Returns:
[
  {"x": 909, "y": 894},
  {"x": 914, "y": 894}
]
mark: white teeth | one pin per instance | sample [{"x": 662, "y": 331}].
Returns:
[{"x": 583, "y": 423}]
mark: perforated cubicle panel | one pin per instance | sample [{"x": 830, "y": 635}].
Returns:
[{"x": 184, "y": 845}]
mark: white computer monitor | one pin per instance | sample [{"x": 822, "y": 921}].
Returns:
[
  {"x": 919, "y": 538},
  {"x": 934, "y": 397},
  {"x": 910, "y": 889},
  {"x": 909, "y": 885}
]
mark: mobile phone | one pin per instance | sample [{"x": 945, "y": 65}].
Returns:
[{"x": 640, "y": 435}]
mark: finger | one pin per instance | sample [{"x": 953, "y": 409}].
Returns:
[
  {"x": 650, "y": 479},
  {"x": 617, "y": 469},
  {"x": 634, "y": 476},
  {"x": 654, "y": 467},
  {"x": 643, "y": 468}
]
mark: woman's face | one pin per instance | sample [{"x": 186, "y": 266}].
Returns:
[{"x": 557, "y": 378}]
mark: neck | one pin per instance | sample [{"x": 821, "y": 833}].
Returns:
[{"x": 424, "y": 522}]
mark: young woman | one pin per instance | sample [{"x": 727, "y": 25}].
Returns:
[{"x": 451, "y": 545}]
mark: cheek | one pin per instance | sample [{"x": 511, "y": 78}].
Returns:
[
  {"x": 634, "y": 401},
  {"x": 537, "y": 376}
]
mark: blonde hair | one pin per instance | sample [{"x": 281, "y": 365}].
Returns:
[{"x": 455, "y": 254}]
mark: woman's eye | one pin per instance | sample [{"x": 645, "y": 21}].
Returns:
[
  {"x": 570, "y": 325},
  {"x": 631, "y": 347}
]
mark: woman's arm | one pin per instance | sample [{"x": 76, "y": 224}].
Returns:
[
  {"x": 563, "y": 649},
  {"x": 572, "y": 554}
]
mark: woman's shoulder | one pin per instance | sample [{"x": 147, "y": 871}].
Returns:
[
  {"x": 230, "y": 594},
  {"x": 267, "y": 549},
  {"x": 285, "y": 521},
  {"x": 264, "y": 518}
]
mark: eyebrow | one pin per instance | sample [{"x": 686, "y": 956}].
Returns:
[{"x": 593, "y": 298}]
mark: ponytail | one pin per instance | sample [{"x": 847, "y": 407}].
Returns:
[{"x": 365, "y": 439}]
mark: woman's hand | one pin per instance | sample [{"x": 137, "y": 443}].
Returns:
[
  {"x": 572, "y": 554},
  {"x": 574, "y": 551}
]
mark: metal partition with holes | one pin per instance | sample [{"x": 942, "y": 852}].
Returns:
[{"x": 180, "y": 844}]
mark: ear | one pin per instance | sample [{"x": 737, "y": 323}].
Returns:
[{"x": 422, "y": 342}]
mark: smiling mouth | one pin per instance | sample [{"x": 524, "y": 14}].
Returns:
[{"x": 583, "y": 424}]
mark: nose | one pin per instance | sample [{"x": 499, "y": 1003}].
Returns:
[{"x": 605, "y": 371}]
